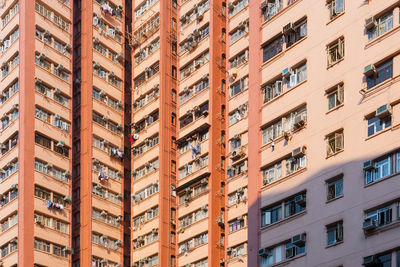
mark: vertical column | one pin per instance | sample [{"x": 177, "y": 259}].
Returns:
[
  {"x": 254, "y": 134},
  {"x": 26, "y": 132},
  {"x": 217, "y": 73},
  {"x": 86, "y": 131}
]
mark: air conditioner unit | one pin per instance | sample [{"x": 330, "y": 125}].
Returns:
[
  {"x": 239, "y": 190},
  {"x": 196, "y": 33},
  {"x": 60, "y": 144},
  {"x": 264, "y": 252},
  {"x": 204, "y": 207},
  {"x": 96, "y": 40},
  {"x": 299, "y": 120},
  {"x": 120, "y": 56},
  {"x": 370, "y": 260},
  {"x": 96, "y": 161},
  {"x": 230, "y": 6},
  {"x": 370, "y": 23},
  {"x": 60, "y": 67},
  {"x": 96, "y": 65},
  {"x": 383, "y": 111},
  {"x": 68, "y": 249},
  {"x": 120, "y": 219},
  {"x": 67, "y": 47},
  {"x": 368, "y": 165},
  {"x": 183, "y": 18},
  {"x": 38, "y": 81},
  {"x": 369, "y": 70},
  {"x": 98, "y": 186},
  {"x": 42, "y": 56},
  {"x": 298, "y": 152},
  {"x": 242, "y": 25},
  {"x": 2, "y": 146},
  {"x": 233, "y": 73},
  {"x": 105, "y": 118},
  {"x": 287, "y": 28},
  {"x": 104, "y": 260},
  {"x": 369, "y": 224},
  {"x": 14, "y": 240},
  {"x": 46, "y": 33},
  {"x": 67, "y": 198},
  {"x": 299, "y": 240},
  {"x": 287, "y": 72},
  {"x": 67, "y": 174},
  {"x": 111, "y": 74}
]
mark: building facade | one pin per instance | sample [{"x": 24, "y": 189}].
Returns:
[
  {"x": 199, "y": 133},
  {"x": 323, "y": 114}
]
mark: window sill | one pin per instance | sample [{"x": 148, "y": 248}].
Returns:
[
  {"x": 335, "y": 63},
  {"x": 192, "y": 249},
  {"x": 107, "y": 106},
  {"x": 8, "y": 177},
  {"x": 379, "y": 133},
  {"x": 335, "y": 18},
  {"x": 281, "y": 137},
  {"x": 146, "y": 175},
  {"x": 107, "y": 224},
  {"x": 145, "y": 199},
  {"x": 333, "y": 199},
  {"x": 52, "y": 177},
  {"x": 11, "y": 71},
  {"x": 9, "y": 228},
  {"x": 240, "y": 93},
  {"x": 144, "y": 246},
  {"x": 11, "y": 96},
  {"x": 198, "y": 44},
  {"x": 382, "y": 37},
  {"x": 54, "y": 230},
  {"x": 193, "y": 122},
  {"x": 190, "y": 225},
  {"x": 193, "y": 72},
  {"x": 105, "y": 247},
  {"x": 383, "y": 228},
  {"x": 151, "y": 148},
  {"x": 287, "y": 261},
  {"x": 334, "y": 154},
  {"x": 194, "y": 96},
  {"x": 106, "y": 199},
  {"x": 334, "y": 244},
  {"x": 230, "y": 179},
  {"x": 238, "y": 258},
  {"x": 335, "y": 108},
  {"x": 380, "y": 180},
  {"x": 195, "y": 197},
  {"x": 288, "y": 219},
  {"x": 377, "y": 88},
  {"x": 118, "y": 65},
  {"x": 105, "y": 128},
  {"x": 237, "y": 40},
  {"x": 8, "y": 151},
  {"x": 53, "y": 49},
  {"x": 9, "y": 125},
  {"x": 281, "y": 180},
  {"x": 138, "y": 227},
  {"x": 11, "y": 201}
]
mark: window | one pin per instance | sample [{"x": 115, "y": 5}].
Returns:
[
  {"x": 237, "y": 251},
  {"x": 334, "y": 188},
  {"x": 335, "y": 51},
  {"x": 272, "y": 49},
  {"x": 336, "y": 7},
  {"x": 287, "y": 123},
  {"x": 335, "y": 96},
  {"x": 382, "y": 72},
  {"x": 379, "y": 169},
  {"x": 297, "y": 32},
  {"x": 42, "y": 245},
  {"x": 380, "y": 26},
  {"x": 271, "y": 8},
  {"x": 334, "y": 233},
  {"x": 272, "y": 173},
  {"x": 376, "y": 124},
  {"x": 272, "y": 90},
  {"x": 334, "y": 143},
  {"x": 283, "y": 209},
  {"x": 297, "y": 76},
  {"x": 381, "y": 216},
  {"x": 239, "y": 86}
]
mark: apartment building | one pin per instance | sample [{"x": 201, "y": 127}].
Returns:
[
  {"x": 201, "y": 116},
  {"x": 101, "y": 155},
  {"x": 35, "y": 138},
  {"x": 323, "y": 120},
  {"x": 237, "y": 99},
  {"x": 153, "y": 130}
]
